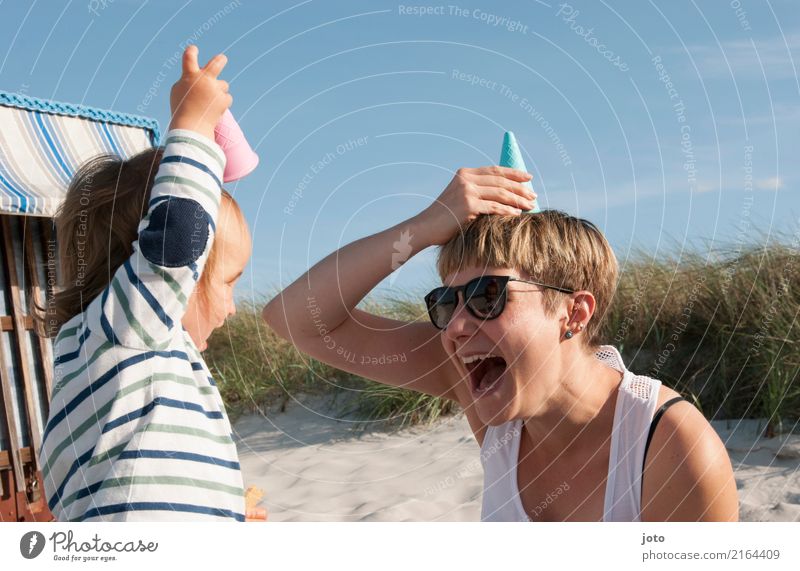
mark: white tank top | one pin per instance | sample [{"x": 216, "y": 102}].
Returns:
[{"x": 633, "y": 413}]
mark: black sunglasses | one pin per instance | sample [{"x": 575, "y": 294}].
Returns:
[{"x": 485, "y": 298}]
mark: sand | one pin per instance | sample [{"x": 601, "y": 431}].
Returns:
[
  {"x": 315, "y": 465},
  {"x": 767, "y": 470}
]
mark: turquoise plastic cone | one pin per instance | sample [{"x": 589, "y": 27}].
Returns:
[{"x": 512, "y": 158}]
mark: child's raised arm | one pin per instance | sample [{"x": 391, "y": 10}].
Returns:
[{"x": 143, "y": 305}]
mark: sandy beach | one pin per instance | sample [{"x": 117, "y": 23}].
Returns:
[
  {"x": 767, "y": 470},
  {"x": 314, "y": 465}
]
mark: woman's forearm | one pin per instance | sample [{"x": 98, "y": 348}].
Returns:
[{"x": 323, "y": 298}]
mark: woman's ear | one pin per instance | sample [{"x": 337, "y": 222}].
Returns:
[{"x": 582, "y": 309}]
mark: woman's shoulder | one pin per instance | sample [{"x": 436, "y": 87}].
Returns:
[
  {"x": 689, "y": 474},
  {"x": 682, "y": 423},
  {"x": 665, "y": 394}
]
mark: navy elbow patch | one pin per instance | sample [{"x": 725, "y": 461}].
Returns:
[{"x": 177, "y": 233}]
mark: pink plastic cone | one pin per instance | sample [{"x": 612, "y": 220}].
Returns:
[{"x": 241, "y": 159}]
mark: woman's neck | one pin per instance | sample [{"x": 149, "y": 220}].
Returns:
[{"x": 579, "y": 411}]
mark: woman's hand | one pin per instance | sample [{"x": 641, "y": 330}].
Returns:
[
  {"x": 485, "y": 190},
  {"x": 198, "y": 99}
]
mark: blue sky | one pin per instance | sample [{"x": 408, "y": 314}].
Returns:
[{"x": 670, "y": 124}]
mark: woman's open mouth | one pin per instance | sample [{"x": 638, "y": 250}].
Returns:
[{"x": 485, "y": 373}]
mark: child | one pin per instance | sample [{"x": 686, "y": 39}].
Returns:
[
  {"x": 137, "y": 429},
  {"x": 515, "y": 339}
]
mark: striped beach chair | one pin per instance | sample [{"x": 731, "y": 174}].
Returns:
[{"x": 42, "y": 144}]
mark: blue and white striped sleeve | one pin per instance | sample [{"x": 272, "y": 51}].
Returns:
[{"x": 143, "y": 305}]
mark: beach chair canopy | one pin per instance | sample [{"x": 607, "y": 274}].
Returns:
[{"x": 43, "y": 143}]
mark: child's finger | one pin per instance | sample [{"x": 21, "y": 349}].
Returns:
[
  {"x": 223, "y": 85},
  {"x": 214, "y": 67},
  {"x": 227, "y": 99},
  {"x": 190, "y": 64}
]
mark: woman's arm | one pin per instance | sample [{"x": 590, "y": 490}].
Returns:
[{"x": 317, "y": 311}]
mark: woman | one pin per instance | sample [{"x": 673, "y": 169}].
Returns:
[{"x": 513, "y": 339}]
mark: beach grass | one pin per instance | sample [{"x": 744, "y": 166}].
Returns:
[
  {"x": 720, "y": 328},
  {"x": 256, "y": 369}
]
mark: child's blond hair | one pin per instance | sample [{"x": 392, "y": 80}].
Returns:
[{"x": 96, "y": 226}]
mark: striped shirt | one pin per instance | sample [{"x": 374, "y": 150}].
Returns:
[{"x": 137, "y": 429}]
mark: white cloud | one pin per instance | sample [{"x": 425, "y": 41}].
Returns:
[
  {"x": 768, "y": 183},
  {"x": 771, "y": 183},
  {"x": 706, "y": 187},
  {"x": 746, "y": 62},
  {"x": 779, "y": 114}
]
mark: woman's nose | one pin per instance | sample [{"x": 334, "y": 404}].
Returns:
[{"x": 461, "y": 323}]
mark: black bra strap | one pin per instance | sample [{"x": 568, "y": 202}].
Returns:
[{"x": 656, "y": 418}]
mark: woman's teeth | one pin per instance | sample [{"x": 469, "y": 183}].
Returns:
[{"x": 472, "y": 358}]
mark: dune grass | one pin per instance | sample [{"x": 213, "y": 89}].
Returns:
[
  {"x": 722, "y": 330},
  {"x": 255, "y": 368}
]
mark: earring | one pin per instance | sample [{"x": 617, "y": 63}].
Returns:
[{"x": 568, "y": 334}]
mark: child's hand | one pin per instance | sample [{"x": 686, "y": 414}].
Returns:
[
  {"x": 198, "y": 99},
  {"x": 485, "y": 190}
]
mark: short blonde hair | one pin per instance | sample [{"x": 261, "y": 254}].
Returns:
[{"x": 550, "y": 246}]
